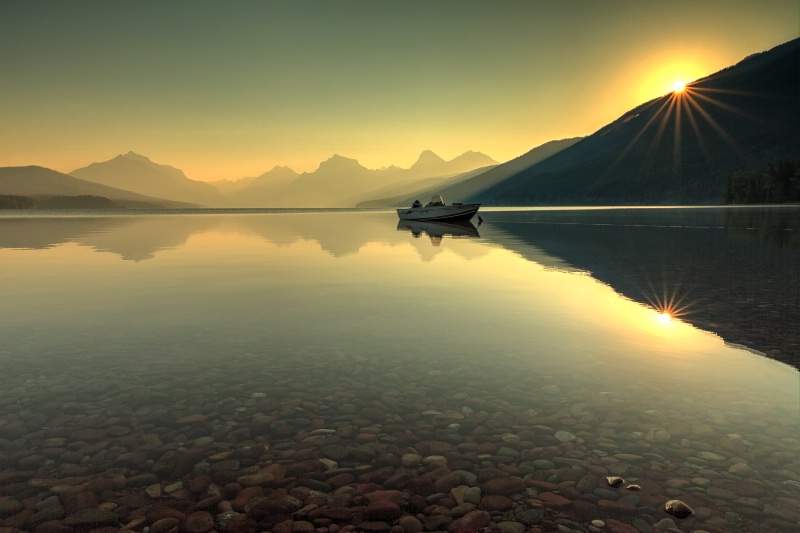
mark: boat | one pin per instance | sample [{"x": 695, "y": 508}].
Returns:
[{"x": 438, "y": 210}]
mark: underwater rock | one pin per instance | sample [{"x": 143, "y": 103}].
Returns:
[{"x": 677, "y": 508}]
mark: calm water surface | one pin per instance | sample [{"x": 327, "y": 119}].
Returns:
[{"x": 536, "y": 333}]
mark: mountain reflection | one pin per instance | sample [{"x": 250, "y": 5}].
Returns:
[{"x": 731, "y": 271}]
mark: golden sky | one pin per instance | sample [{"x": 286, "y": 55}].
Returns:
[{"x": 231, "y": 89}]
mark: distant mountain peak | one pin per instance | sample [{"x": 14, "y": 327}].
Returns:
[
  {"x": 136, "y": 157},
  {"x": 427, "y": 158},
  {"x": 338, "y": 162}
]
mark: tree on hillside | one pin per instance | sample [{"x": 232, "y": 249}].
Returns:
[
  {"x": 11, "y": 201},
  {"x": 775, "y": 184}
]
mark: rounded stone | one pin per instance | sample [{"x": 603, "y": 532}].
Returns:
[{"x": 197, "y": 522}]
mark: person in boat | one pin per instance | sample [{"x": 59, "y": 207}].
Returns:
[
  {"x": 417, "y": 203},
  {"x": 435, "y": 201}
]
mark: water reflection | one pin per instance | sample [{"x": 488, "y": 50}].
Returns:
[
  {"x": 732, "y": 271},
  {"x": 735, "y": 272},
  {"x": 438, "y": 230}
]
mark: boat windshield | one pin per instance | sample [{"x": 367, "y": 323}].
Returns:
[{"x": 436, "y": 199}]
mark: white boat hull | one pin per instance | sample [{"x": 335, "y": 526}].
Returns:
[{"x": 439, "y": 212}]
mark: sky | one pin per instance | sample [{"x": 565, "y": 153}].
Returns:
[{"x": 228, "y": 89}]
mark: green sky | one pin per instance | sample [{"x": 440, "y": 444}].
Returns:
[{"x": 231, "y": 89}]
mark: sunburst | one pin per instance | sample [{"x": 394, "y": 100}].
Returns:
[{"x": 688, "y": 103}]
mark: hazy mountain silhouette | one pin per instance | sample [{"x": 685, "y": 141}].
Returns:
[
  {"x": 38, "y": 182},
  {"x": 137, "y": 173},
  {"x": 229, "y": 186},
  {"x": 265, "y": 189},
  {"x": 746, "y": 115},
  {"x": 471, "y": 183},
  {"x": 343, "y": 182}
]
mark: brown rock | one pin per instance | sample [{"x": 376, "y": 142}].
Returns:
[
  {"x": 198, "y": 484},
  {"x": 615, "y": 508},
  {"x": 9, "y": 506},
  {"x": 164, "y": 525},
  {"x": 244, "y": 497},
  {"x": 191, "y": 419},
  {"x": 551, "y": 499},
  {"x": 301, "y": 526},
  {"x": 158, "y": 513},
  {"x": 504, "y": 485},
  {"x": 88, "y": 434},
  {"x": 410, "y": 524},
  {"x": 53, "y": 512},
  {"x": 395, "y": 496},
  {"x": 287, "y": 526},
  {"x": 197, "y": 522},
  {"x": 76, "y": 500},
  {"x": 447, "y": 482},
  {"x": 381, "y": 510},
  {"x": 615, "y": 526},
  {"x": 473, "y": 521},
  {"x": 496, "y": 502},
  {"x": 91, "y": 519},
  {"x": 54, "y": 526},
  {"x": 241, "y": 523}
]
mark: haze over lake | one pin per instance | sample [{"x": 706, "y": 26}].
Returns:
[{"x": 312, "y": 345}]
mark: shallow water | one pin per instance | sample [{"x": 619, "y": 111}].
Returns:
[{"x": 433, "y": 340}]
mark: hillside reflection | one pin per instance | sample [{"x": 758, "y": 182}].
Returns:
[{"x": 732, "y": 271}]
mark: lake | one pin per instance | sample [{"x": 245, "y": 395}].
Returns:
[{"x": 302, "y": 370}]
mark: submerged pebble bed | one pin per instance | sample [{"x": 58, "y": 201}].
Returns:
[{"x": 356, "y": 443}]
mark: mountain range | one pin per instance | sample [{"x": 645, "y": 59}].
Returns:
[{"x": 678, "y": 149}]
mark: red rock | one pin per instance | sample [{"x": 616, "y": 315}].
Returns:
[
  {"x": 340, "y": 480},
  {"x": 551, "y": 499},
  {"x": 496, "y": 502},
  {"x": 287, "y": 526},
  {"x": 75, "y": 500},
  {"x": 158, "y": 513},
  {"x": 447, "y": 482},
  {"x": 615, "y": 508},
  {"x": 192, "y": 419},
  {"x": 584, "y": 511},
  {"x": 99, "y": 484},
  {"x": 504, "y": 485},
  {"x": 18, "y": 520},
  {"x": 340, "y": 514},
  {"x": 381, "y": 511},
  {"x": 198, "y": 484},
  {"x": 395, "y": 496},
  {"x": 91, "y": 518},
  {"x": 436, "y": 522},
  {"x": 52, "y": 527},
  {"x": 241, "y": 523},
  {"x": 88, "y": 434},
  {"x": 542, "y": 485},
  {"x": 615, "y": 526},
  {"x": 185, "y": 461},
  {"x": 472, "y": 521},
  {"x": 197, "y": 522},
  {"x": 245, "y": 495},
  {"x": 164, "y": 525}
]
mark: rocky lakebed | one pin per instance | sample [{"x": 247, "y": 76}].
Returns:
[{"x": 356, "y": 444}]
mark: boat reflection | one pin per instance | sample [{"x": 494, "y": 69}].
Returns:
[{"x": 438, "y": 230}]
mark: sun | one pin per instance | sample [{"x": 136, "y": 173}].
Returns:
[{"x": 678, "y": 86}]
